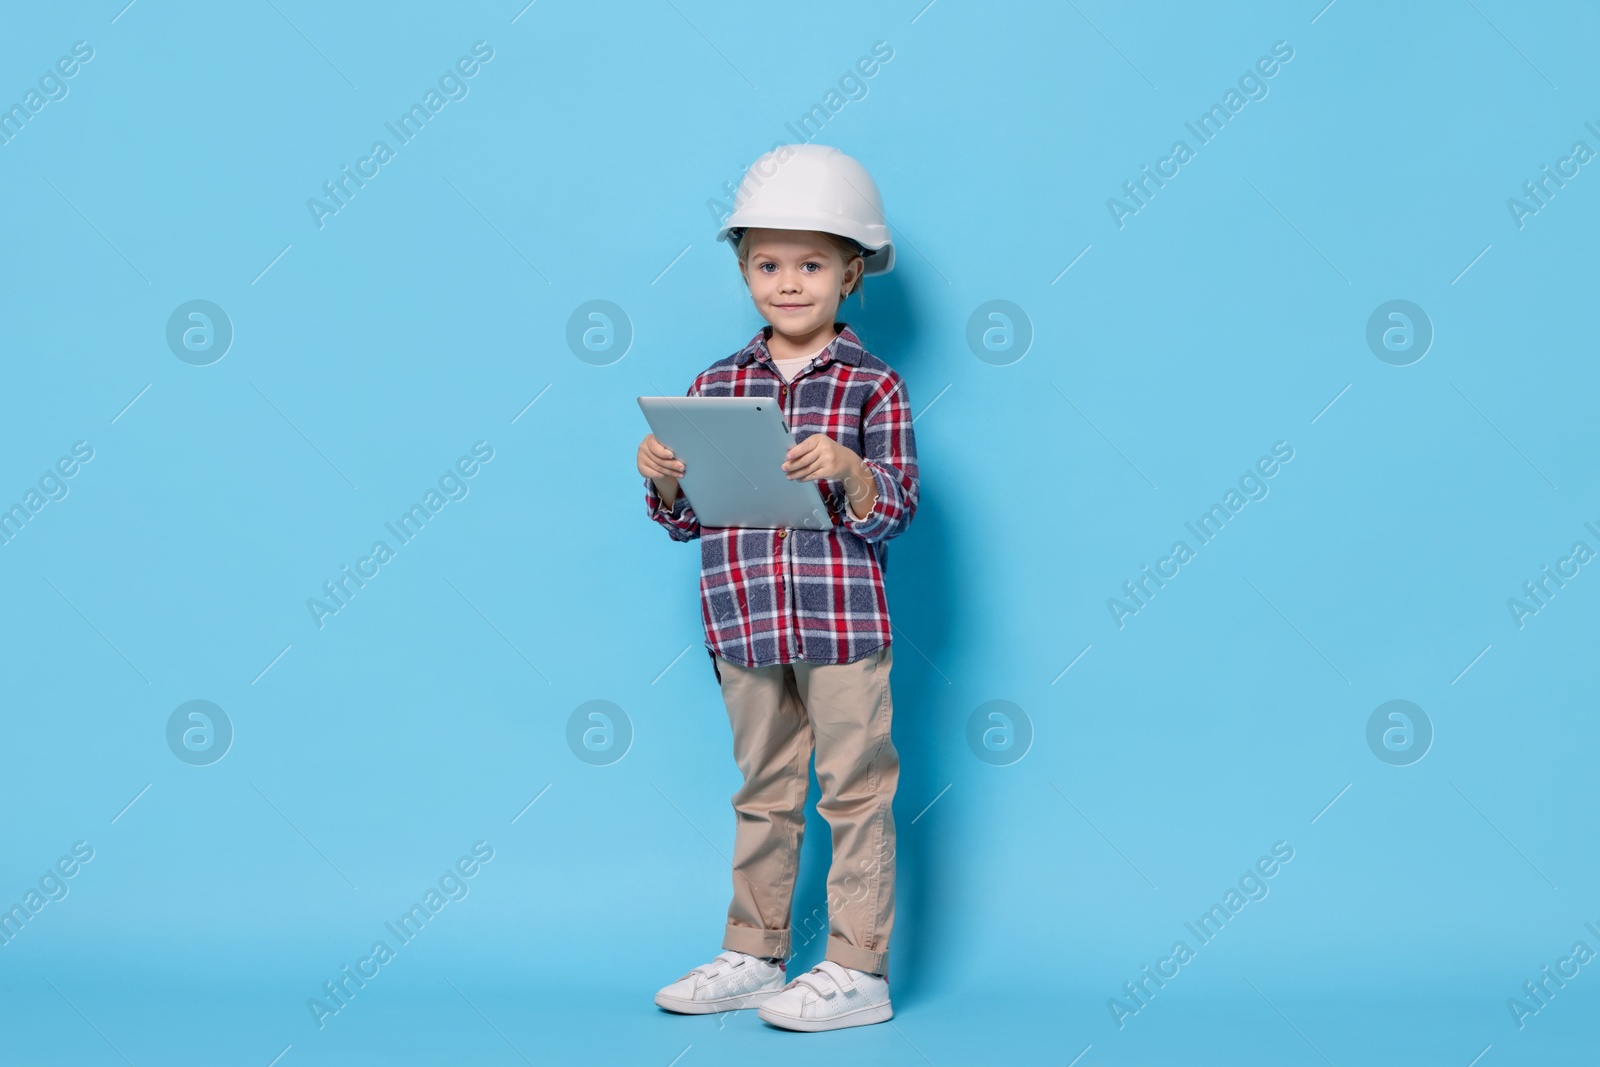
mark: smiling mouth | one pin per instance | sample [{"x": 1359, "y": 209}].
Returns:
[{"x": 792, "y": 307}]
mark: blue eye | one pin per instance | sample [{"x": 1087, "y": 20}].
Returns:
[{"x": 811, "y": 268}]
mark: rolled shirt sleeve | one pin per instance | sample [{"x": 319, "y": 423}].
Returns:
[
  {"x": 679, "y": 520},
  {"x": 891, "y": 455}
]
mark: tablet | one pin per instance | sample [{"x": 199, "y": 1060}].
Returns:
[{"x": 733, "y": 448}]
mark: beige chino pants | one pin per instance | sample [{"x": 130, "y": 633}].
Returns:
[{"x": 778, "y": 714}]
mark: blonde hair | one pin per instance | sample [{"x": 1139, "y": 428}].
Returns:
[{"x": 846, "y": 248}]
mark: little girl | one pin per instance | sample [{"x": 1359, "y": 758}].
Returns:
[{"x": 797, "y": 620}]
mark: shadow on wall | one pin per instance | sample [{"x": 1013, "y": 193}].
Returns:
[
  {"x": 883, "y": 316},
  {"x": 923, "y": 604}
]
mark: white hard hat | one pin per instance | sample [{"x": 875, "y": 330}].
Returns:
[{"x": 813, "y": 187}]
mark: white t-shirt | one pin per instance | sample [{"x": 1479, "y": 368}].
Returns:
[{"x": 788, "y": 368}]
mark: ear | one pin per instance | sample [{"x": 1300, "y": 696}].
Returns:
[{"x": 853, "y": 272}]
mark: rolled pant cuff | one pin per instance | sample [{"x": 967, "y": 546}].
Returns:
[
  {"x": 753, "y": 942},
  {"x": 848, "y": 955}
]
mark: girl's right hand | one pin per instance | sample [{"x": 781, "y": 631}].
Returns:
[{"x": 657, "y": 461}]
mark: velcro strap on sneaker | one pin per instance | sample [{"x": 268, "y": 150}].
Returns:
[{"x": 828, "y": 979}]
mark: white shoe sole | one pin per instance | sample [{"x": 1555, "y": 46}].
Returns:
[
  {"x": 863, "y": 1016},
  {"x": 711, "y": 1007}
]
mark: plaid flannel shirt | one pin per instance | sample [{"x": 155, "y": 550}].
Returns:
[{"x": 777, "y": 596}]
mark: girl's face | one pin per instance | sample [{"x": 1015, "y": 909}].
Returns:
[{"x": 797, "y": 279}]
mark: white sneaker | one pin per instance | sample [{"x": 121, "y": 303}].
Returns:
[
  {"x": 829, "y": 997},
  {"x": 732, "y": 980}
]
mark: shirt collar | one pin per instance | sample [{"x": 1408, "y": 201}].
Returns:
[{"x": 846, "y": 347}]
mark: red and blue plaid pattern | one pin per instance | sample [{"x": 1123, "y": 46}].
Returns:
[{"x": 777, "y": 596}]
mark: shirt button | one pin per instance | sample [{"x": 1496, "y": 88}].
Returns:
[{"x": 783, "y": 533}]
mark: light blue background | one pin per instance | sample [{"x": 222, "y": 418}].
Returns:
[{"x": 427, "y": 314}]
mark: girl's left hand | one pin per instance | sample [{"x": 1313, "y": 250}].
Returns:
[{"x": 820, "y": 456}]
